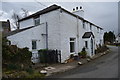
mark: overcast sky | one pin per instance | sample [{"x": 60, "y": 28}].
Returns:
[{"x": 103, "y": 14}]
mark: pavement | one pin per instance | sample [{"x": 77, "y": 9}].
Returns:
[{"x": 58, "y": 68}]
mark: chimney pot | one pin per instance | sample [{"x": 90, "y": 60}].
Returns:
[
  {"x": 76, "y": 8},
  {"x": 73, "y": 9},
  {"x": 80, "y": 7}
]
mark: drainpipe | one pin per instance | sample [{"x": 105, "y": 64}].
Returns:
[
  {"x": 46, "y": 35},
  {"x": 77, "y": 34}
]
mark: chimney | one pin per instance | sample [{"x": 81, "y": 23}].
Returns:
[
  {"x": 8, "y": 25},
  {"x": 79, "y": 11}
]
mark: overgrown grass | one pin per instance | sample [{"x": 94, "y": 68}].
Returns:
[{"x": 23, "y": 74}]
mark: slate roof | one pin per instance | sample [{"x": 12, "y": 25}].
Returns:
[
  {"x": 87, "y": 35},
  {"x": 5, "y": 24},
  {"x": 55, "y": 7},
  {"x": 16, "y": 31},
  {"x": 48, "y": 9}
]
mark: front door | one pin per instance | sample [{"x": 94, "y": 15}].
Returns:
[{"x": 92, "y": 46}]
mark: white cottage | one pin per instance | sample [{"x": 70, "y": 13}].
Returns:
[{"x": 56, "y": 28}]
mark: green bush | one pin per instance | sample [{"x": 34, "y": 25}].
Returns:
[
  {"x": 71, "y": 56},
  {"x": 43, "y": 53},
  {"x": 11, "y": 54},
  {"x": 101, "y": 49},
  {"x": 13, "y": 67},
  {"x": 83, "y": 53},
  {"x": 30, "y": 70}
]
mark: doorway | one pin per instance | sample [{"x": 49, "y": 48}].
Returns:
[{"x": 92, "y": 47}]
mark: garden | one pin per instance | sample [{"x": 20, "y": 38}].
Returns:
[{"x": 16, "y": 62}]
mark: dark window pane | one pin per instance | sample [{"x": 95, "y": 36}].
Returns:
[
  {"x": 90, "y": 27},
  {"x": 72, "y": 47},
  {"x": 72, "y": 39},
  {"x": 37, "y": 21},
  {"x": 34, "y": 45},
  {"x": 83, "y": 24}
]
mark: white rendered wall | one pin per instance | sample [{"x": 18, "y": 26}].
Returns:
[
  {"x": 26, "y": 23},
  {"x": 24, "y": 38}
]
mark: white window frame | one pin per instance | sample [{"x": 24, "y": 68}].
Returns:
[
  {"x": 35, "y": 21},
  {"x": 72, "y": 41},
  {"x": 35, "y": 44}
]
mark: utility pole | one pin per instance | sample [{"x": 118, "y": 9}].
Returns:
[{"x": 113, "y": 36}]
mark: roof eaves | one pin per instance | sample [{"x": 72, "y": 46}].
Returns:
[
  {"x": 54, "y": 7},
  {"x": 72, "y": 14},
  {"x": 16, "y": 31},
  {"x": 46, "y": 10},
  {"x": 80, "y": 18},
  {"x": 93, "y": 24}
]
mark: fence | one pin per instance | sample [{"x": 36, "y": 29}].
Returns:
[{"x": 50, "y": 56}]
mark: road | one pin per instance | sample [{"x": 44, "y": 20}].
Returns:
[{"x": 102, "y": 67}]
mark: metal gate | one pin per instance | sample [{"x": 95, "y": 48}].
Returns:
[{"x": 50, "y": 56}]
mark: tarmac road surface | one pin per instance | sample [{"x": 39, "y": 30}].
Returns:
[{"x": 102, "y": 67}]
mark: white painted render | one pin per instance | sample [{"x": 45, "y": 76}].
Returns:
[
  {"x": 61, "y": 27},
  {"x": 79, "y": 13},
  {"x": 26, "y": 23}
]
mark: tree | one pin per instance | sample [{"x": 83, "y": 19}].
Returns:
[
  {"x": 109, "y": 37},
  {"x": 15, "y": 18}
]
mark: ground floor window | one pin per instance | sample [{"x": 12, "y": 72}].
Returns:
[
  {"x": 72, "y": 45},
  {"x": 34, "y": 44}
]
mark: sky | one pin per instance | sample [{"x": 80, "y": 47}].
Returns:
[{"x": 103, "y": 14}]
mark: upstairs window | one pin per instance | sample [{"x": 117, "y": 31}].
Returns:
[
  {"x": 37, "y": 21},
  {"x": 97, "y": 30},
  {"x": 83, "y": 25},
  {"x": 100, "y": 31},
  {"x": 90, "y": 26},
  {"x": 34, "y": 44}
]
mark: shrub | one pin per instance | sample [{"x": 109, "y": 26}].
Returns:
[
  {"x": 43, "y": 55},
  {"x": 12, "y": 55},
  {"x": 29, "y": 70},
  {"x": 83, "y": 53},
  {"x": 71, "y": 56},
  {"x": 101, "y": 49},
  {"x": 13, "y": 67}
]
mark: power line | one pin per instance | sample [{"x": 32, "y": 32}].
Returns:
[{"x": 40, "y": 3}]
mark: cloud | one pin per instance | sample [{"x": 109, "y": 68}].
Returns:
[
  {"x": 103, "y": 14},
  {"x": 3, "y": 16}
]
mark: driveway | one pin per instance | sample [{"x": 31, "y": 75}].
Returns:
[{"x": 103, "y": 67}]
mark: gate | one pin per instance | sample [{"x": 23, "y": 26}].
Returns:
[{"x": 50, "y": 56}]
